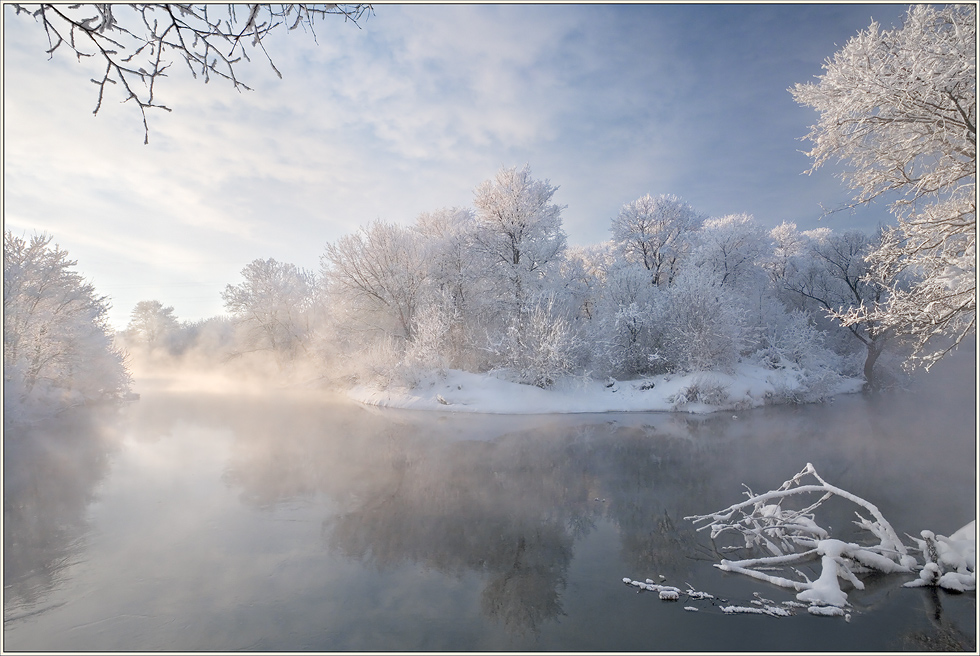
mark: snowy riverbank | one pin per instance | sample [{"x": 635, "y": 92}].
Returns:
[{"x": 702, "y": 392}]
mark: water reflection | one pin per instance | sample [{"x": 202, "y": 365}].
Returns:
[
  {"x": 511, "y": 504},
  {"x": 509, "y": 509},
  {"x": 51, "y": 472},
  {"x": 279, "y": 506}
]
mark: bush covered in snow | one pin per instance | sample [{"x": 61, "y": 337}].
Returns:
[
  {"x": 791, "y": 342},
  {"x": 541, "y": 348}
]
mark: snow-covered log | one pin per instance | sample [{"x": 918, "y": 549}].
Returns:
[{"x": 792, "y": 537}]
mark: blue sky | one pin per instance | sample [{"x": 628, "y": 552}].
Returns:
[{"x": 409, "y": 113}]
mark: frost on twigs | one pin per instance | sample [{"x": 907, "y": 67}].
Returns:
[
  {"x": 789, "y": 537},
  {"x": 135, "y": 45}
]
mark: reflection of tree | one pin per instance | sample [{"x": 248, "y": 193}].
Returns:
[
  {"x": 648, "y": 485},
  {"x": 50, "y": 472},
  {"x": 945, "y": 636},
  {"x": 510, "y": 507},
  {"x": 528, "y": 594},
  {"x": 506, "y": 508},
  {"x": 301, "y": 448}
]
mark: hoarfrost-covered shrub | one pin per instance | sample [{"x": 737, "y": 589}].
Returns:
[
  {"x": 703, "y": 389},
  {"x": 703, "y": 325},
  {"x": 625, "y": 334},
  {"x": 791, "y": 342},
  {"x": 542, "y": 348},
  {"x": 431, "y": 343},
  {"x": 632, "y": 343},
  {"x": 379, "y": 361}
]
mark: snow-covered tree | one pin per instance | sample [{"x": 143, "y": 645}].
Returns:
[
  {"x": 728, "y": 257},
  {"x": 136, "y": 44},
  {"x": 732, "y": 248},
  {"x": 899, "y": 108},
  {"x": 519, "y": 234},
  {"x": 831, "y": 275},
  {"x": 455, "y": 288},
  {"x": 57, "y": 344},
  {"x": 151, "y": 324},
  {"x": 380, "y": 272},
  {"x": 703, "y": 324},
  {"x": 787, "y": 243},
  {"x": 272, "y": 306},
  {"x": 447, "y": 236},
  {"x": 628, "y": 327},
  {"x": 589, "y": 264},
  {"x": 653, "y": 231},
  {"x": 497, "y": 288}
]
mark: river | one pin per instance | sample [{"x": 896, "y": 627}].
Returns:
[{"x": 295, "y": 521}]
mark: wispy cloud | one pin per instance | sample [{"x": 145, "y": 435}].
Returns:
[{"x": 409, "y": 113}]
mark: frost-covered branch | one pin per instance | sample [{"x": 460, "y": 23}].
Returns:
[
  {"x": 793, "y": 537},
  {"x": 136, "y": 43}
]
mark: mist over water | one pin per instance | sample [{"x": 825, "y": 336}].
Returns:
[{"x": 204, "y": 517}]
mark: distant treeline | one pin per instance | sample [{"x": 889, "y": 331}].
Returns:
[{"x": 496, "y": 287}]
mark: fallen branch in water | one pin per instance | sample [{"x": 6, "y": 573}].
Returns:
[{"x": 792, "y": 537}]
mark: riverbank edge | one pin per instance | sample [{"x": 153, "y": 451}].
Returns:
[{"x": 749, "y": 386}]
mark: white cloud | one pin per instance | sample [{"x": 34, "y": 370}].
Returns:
[{"x": 409, "y": 113}]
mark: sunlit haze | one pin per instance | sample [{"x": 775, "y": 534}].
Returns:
[{"x": 409, "y": 112}]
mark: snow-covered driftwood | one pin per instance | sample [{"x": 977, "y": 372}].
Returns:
[
  {"x": 951, "y": 562},
  {"x": 792, "y": 537}
]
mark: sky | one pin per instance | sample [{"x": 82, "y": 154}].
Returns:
[{"x": 407, "y": 112}]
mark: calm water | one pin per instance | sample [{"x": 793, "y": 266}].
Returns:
[{"x": 205, "y": 521}]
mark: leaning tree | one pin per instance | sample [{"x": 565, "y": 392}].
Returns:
[{"x": 899, "y": 108}]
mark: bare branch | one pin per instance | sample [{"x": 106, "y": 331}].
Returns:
[{"x": 138, "y": 48}]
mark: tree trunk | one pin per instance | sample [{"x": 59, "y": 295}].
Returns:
[{"x": 874, "y": 350}]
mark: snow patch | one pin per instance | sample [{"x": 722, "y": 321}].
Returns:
[
  {"x": 772, "y": 611},
  {"x": 826, "y": 611},
  {"x": 492, "y": 393}
]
